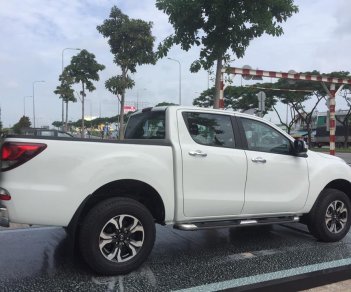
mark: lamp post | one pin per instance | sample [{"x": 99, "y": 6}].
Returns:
[
  {"x": 24, "y": 104},
  {"x": 34, "y": 100},
  {"x": 62, "y": 54},
  {"x": 180, "y": 79}
]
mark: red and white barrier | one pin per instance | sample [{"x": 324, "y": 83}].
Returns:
[{"x": 295, "y": 76}]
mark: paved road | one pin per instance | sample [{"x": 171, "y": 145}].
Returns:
[
  {"x": 345, "y": 156},
  {"x": 40, "y": 259}
]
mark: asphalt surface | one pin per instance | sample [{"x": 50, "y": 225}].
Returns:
[{"x": 41, "y": 259}]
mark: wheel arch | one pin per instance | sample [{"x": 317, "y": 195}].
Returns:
[
  {"x": 338, "y": 184},
  {"x": 128, "y": 188},
  {"x": 341, "y": 185}
]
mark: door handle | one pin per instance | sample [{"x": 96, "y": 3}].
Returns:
[
  {"x": 197, "y": 153},
  {"x": 258, "y": 160}
]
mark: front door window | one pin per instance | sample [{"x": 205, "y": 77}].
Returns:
[{"x": 263, "y": 138}]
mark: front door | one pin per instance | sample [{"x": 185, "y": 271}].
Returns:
[
  {"x": 277, "y": 180},
  {"x": 214, "y": 171}
]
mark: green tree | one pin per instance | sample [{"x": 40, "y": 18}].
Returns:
[
  {"x": 65, "y": 91},
  {"x": 237, "y": 98},
  {"x": 57, "y": 124},
  {"x": 306, "y": 91},
  {"x": 23, "y": 123},
  {"x": 131, "y": 43},
  {"x": 84, "y": 69},
  {"x": 165, "y": 103},
  {"x": 221, "y": 28}
]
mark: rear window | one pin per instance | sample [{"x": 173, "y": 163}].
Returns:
[{"x": 146, "y": 125}]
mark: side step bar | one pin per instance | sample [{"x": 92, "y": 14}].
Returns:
[{"x": 235, "y": 223}]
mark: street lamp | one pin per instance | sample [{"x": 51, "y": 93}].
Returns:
[
  {"x": 24, "y": 104},
  {"x": 74, "y": 49},
  {"x": 180, "y": 79},
  {"x": 34, "y": 100}
]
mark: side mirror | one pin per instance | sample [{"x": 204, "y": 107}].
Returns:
[{"x": 300, "y": 148}]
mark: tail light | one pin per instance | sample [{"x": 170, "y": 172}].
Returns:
[{"x": 14, "y": 154}]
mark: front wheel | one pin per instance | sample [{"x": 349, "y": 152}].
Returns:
[
  {"x": 117, "y": 236},
  {"x": 330, "y": 218}
]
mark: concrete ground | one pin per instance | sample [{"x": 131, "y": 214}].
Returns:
[{"x": 335, "y": 287}]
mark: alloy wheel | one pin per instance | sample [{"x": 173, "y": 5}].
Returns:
[
  {"x": 336, "y": 216},
  {"x": 121, "y": 238}
]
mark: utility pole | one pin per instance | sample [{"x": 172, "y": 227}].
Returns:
[{"x": 180, "y": 79}]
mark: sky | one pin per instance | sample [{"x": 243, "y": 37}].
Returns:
[{"x": 34, "y": 33}]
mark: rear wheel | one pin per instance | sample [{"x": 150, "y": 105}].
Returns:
[
  {"x": 330, "y": 218},
  {"x": 117, "y": 236}
]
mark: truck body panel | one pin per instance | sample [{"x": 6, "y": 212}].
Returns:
[{"x": 225, "y": 184}]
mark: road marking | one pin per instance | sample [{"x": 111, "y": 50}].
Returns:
[
  {"x": 240, "y": 256},
  {"x": 267, "y": 277}
]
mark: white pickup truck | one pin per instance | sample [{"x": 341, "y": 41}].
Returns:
[{"x": 189, "y": 167}]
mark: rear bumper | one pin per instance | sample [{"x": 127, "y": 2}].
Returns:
[{"x": 4, "y": 216}]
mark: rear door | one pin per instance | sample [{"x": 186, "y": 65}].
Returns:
[{"x": 214, "y": 170}]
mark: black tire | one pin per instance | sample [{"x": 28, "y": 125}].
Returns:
[
  {"x": 104, "y": 220},
  {"x": 324, "y": 214}
]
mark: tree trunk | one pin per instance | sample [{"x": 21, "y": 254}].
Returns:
[
  {"x": 62, "y": 114},
  {"x": 83, "y": 96},
  {"x": 66, "y": 126},
  {"x": 218, "y": 83},
  {"x": 121, "y": 113},
  {"x": 309, "y": 134},
  {"x": 121, "y": 117}
]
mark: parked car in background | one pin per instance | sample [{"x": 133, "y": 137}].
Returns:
[{"x": 45, "y": 132}]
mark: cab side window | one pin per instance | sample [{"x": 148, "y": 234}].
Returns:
[
  {"x": 262, "y": 137},
  {"x": 210, "y": 129}
]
